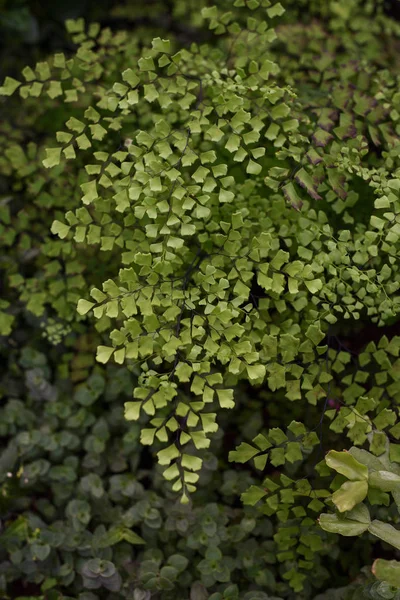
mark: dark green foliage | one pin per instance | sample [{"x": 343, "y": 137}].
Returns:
[
  {"x": 77, "y": 490},
  {"x": 188, "y": 228}
]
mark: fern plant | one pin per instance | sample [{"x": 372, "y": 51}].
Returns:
[{"x": 225, "y": 214}]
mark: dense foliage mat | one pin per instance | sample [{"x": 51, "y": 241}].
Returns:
[{"x": 200, "y": 371}]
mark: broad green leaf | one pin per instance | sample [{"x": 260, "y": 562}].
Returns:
[
  {"x": 341, "y": 525},
  {"x": 385, "y": 481},
  {"x": 366, "y": 458},
  {"x": 349, "y": 495},
  {"x": 347, "y": 465},
  {"x": 359, "y": 513},
  {"x": 387, "y": 570},
  {"x": 385, "y": 532}
]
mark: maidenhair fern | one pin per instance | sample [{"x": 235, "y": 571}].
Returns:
[{"x": 232, "y": 208}]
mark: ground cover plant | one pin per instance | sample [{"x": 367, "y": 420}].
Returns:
[{"x": 199, "y": 321}]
